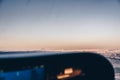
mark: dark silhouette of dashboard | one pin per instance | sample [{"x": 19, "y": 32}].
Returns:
[{"x": 60, "y": 66}]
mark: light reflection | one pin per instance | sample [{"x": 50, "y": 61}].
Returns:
[{"x": 69, "y": 73}]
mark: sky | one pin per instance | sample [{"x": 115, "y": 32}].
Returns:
[{"x": 59, "y": 24}]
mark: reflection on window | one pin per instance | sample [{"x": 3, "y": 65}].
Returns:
[{"x": 31, "y": 74}]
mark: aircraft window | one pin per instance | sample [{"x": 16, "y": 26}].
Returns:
[{"x": 31, "y": 28}]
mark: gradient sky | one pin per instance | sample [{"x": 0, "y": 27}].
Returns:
[{"x": 59, "y": 24}]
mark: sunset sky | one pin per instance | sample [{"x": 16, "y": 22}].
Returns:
[{"x": 59, "y": 24}]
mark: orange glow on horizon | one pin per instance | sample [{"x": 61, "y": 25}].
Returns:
[{"x": 52, "y": 45}]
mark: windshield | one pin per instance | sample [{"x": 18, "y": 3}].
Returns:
[
  {"x": 62, "y": 25},
  {"x": 59, "y": 24}
]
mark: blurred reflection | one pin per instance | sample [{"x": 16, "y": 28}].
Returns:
[
  {"x": 69, "y": 73},
  {"x": 30, "y": 74}
]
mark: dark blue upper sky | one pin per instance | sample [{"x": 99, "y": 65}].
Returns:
[{"x": 59, "y": 24}]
